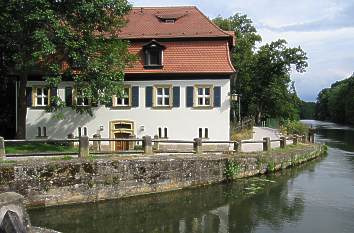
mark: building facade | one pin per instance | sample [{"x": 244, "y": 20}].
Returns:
[{"x": 178, "y": 89}]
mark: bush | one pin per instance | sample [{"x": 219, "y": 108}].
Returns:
[{"x": 294, "y": 127}]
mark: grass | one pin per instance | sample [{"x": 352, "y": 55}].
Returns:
[
  {"x": 244, "y": 134},
  {"x": 38, "y": 147}
]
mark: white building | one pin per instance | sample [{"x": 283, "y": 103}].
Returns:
[{"x": 179, "y": 89}]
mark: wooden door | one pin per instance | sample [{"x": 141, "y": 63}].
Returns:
[{"x": 121, "y": 145}]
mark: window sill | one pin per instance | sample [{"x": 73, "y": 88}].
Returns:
[
  {"x": 121, "y": 107},
  {"x": 203, "y": 107},
  {"x": 152, "y": 67},
  {"x": 41, "y": 137},
  {"x": 163, "y": 107},
  {"x": 39, "y": 107}
]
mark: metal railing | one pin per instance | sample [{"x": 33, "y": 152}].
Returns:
[{"x": 149, "y": 146}]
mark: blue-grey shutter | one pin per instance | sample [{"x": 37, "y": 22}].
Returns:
[
  {"x": 68, "y": 96},
  {"x": 135, "y": 96},
  {"x": 176, "y": 97},
  {"x": 217, "y": 96},
  {"x": 189, "y": 97},
  {"x": 29, "y": 96},
  {"x": 148, "y": 97},
  {"x": 53, "y": 92}
]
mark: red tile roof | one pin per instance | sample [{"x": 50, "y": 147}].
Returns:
[
  {"x": 187, "y": 57},
  {"x": 147, "y": 22}
]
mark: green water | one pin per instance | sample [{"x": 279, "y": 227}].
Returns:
[{"x": 316, "y": 197}]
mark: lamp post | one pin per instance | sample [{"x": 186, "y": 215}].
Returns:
[{"x": 237, "y": 97}]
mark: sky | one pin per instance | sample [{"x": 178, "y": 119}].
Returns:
[{"x": 323, "y": 28}]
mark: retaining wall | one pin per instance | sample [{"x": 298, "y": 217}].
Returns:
[{"x": 48, "y": 182}]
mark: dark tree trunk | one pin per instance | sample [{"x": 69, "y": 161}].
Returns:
[{"x": 22, "y": 108}]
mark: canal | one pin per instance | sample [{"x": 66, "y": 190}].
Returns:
[{"x": 315, "y": 197}]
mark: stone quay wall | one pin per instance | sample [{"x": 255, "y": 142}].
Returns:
[{"x": 48, "y": 182}]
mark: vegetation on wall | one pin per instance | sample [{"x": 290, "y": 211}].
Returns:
[
  {"x": 337, "y": 102},
  {"x": 263, "y": 74},
  {"x": 64, "y": 39}
]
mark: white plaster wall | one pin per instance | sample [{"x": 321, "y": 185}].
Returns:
[{"x": 182, "y": 122}]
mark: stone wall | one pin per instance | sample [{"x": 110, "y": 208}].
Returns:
[{"x": 48, "y": 182}]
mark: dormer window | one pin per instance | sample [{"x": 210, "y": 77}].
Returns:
[
  {"x": 169, "y": 21},
  {"x": 153, "y": 52}
]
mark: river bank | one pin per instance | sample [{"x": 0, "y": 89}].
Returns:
[{"x": 51, "y": 182}]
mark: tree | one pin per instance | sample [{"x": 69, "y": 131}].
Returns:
[
  {"x": 337, "y": 102},
  {"x": 263, "y": 75},
  {"x": 242, "y": 55},
  {"x": 274, "y": 94},
  {"x": 71, "y": 39}
]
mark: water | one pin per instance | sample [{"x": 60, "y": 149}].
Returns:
[{"x": 316, "y": 197}]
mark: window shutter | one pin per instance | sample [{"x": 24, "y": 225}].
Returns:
[
  {"x": 135, "y": 96},
  {"x": 53, "y": 91},
  {"x": 148, "y": 96},
  {"x": 68, "y": 96},
  {"x": 189, "y": 98},
  {"x": 176, "y": 97},
  {"x": 29, "y": 96},
  {"x": 217, "y": 96}
]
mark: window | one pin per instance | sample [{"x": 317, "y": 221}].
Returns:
[
  {"x": 163, "y": 96},
  {"x": 165, "y": 131},
  {"x": 160, "y": 132},
  {"x": 203, "y": 96},
  {"x": 85, "y": 131},
  {"x": 41, "y": 132},
  {"x": 124, "y": 99},
  {"x": 41, "y": 96},
  {"x": 79, "y": 131},
  {"x": 169, "y": 21},
  {"x": 153, "y": 52},
  {"x": 81, "y": 100},
  {"x": 44, "y": 132},
  {"x": 206, "y": 133}
]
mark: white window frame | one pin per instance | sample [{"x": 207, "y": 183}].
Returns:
[
  {"x": 203, "y": 96},
  {"x": 123, "y": 104},
  {"x": 42, "y": 96},
  {"x": 163, "y": 96},
  {"x": 83, "y": 100}
]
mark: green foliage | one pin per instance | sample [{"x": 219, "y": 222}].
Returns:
[
  {"x": 263, "y": 75},
  {"x": 232, "y": 169},
  {"x": 337, "y": 102},
  {"x": 271, "y": 166},
  {"x": 38, "y": 147},
  {"x": 66, "y": 39},
  {"x": 307, "y": 110},
  {"x": 294, "y": 127}
]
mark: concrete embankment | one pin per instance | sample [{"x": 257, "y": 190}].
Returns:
[{"x": 49, "y": 182}]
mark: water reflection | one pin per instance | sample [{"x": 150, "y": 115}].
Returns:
[{"x": 219, "y": 208}]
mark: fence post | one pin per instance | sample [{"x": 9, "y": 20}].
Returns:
[
  {"x": 96, "y": 144},
  {"x": 197, "y": 146},
  {"x": 311, "y": 135},
  {"x": 2, "y": 148},
  {"x": 84, "y": 146},
  {"x": 282, "y": 142},
  {"x": 147, "y": 145},
  {"x": 71, "y": 136},
  {"x": 237, "y": 146},
  {"x": 156, "y": 144},
  {"x": 266, "y": 144},
  {"x": 295, "y": 139}
]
